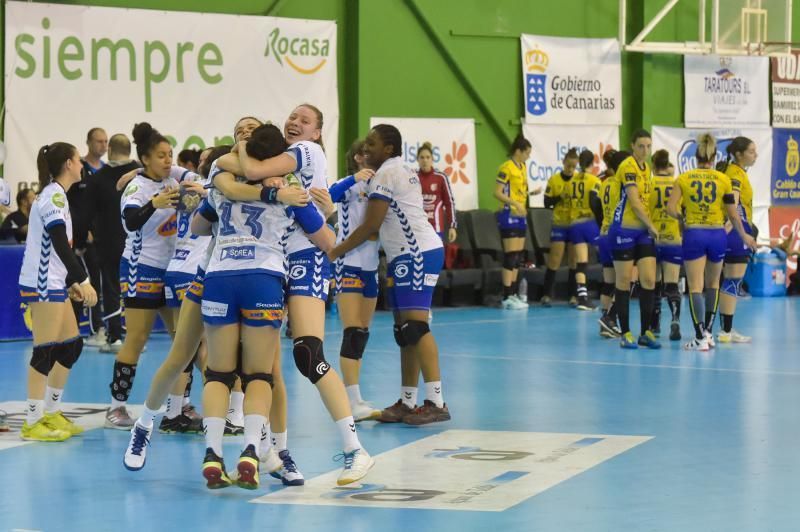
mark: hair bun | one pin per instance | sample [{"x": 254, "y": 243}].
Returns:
[{"x": 142, "y": 132}]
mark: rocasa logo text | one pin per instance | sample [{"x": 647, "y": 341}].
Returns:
[{"x": 303, "y": 54}]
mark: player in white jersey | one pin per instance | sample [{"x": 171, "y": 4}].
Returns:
[
  {"x": 356, "y": 278},
  {"x": 415, "y": 254},
  {"x": 309, "y": 272},
  {"x": 50, "y": 266}
]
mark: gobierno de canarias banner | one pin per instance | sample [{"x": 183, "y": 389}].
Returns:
[{"x": 191, "y": 75}]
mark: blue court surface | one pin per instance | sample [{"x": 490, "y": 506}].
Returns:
[{"x": 553, "y": 429}]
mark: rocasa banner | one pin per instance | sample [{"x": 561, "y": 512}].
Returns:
[
  {"x": 726, "y": 91},
  {"x": 191, "y": 75},
  {"x": 453, "y": 141},
  {"x": 785, "y": 189},
  {"x": 682, "y": 147},
  {"x": 786, "y": 90},
  {"x": 571, "y": 81},
  {"x": 551, "y": 143}
]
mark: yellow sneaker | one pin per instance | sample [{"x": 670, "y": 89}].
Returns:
[
  {"x": 43, "y": 431},
  {"x": 59, "y": 421}
]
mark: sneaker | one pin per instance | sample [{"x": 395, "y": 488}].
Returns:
[
  {"x": 248, "y": 469},
  {"x": 656, "y": 330},
  {"x": 697, "y": 345},
  {"x": 111, "y": 347},
  {"x": 356, "y": 465},
  {"x": 180, "y": 424},
  {"x": 573, "y": 301},
  {"x": 675, "y": 331},
  {"x": 710, "y": 340},
  {"x": 518, "y": 299},
  {"x": 232, "y": 429},
  {"x": 98, "y": 339},
  {"x": 191, "y": 412},
  {"x": 546, "y": 301},
  {"x": 4, "y": 426},
  {"x": 427, "y": 413},
  {"x": 648, "y": 340},
  {"x": 609, "y": 327},
  {"x": 214, "y": 471},
  {"x": 119, "y": 419},
  {"x": 584, "y": 304},
  {"x": 512, "y": 303},
  {"x": 364, "y": 411},
  {"x": 43, "y": 431},
  {"x": 58, "y": 420},
  {"x": 271, "y": 463},
  {"x": 627, "y": 341},
  {"x": 395, "y": 413},
  {"x": 733, "y": 337},
  {"x": 290, "y": 475},
  {"x": 136, "y": 453}
]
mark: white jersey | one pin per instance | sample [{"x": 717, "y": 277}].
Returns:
[
  {"x": 248, "y": 237},
  {"x": 406, "y": 229},
  {"x": 153, "y": 244},
  {"x": 352, "y": 210},
  {"x": 42, "y": 268},
  {"x": 190, "y": 249},
  {"x": 311, "y": 171},
  {"x": 5, "y": 193}
]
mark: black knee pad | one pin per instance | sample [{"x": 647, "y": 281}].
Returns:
[
  {"x": 510, "y": 260},
  {"x": 228, "y": 378},
  {"x": 44, "y": 358},
  {"x": 398, "y": 337},
  {"x": 247, "y": 378},
  {"x": 581, "y": 267},
  {"x": 607, "y": 289},
  {"x": 354, "y": 342},
  {"x": 413, "y": 331},
  {"x": 69, "y": 352},
  {"x": 309, "y": 358}
]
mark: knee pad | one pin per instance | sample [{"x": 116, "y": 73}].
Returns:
[
  {"x": 44, "y": 358},
  {"x": 68, "y": 353},
  {"x": 247, "y": 378},
  {"x": 354, "y": 342},
  {"x": 398, "y": 336},
  {"x": 581, "y": 267},
  {"x": 228, "y": 378},
  {"x": 413, "y": 331},
  {"x": 510, "y": 260},
  {"x": 309, "y": 358},
  {"x": 731, "y": 286},
  {"x": 607, "y": 289}
]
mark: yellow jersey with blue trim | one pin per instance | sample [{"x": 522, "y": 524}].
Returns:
[
  {"x": 514, "y": 179},
  {"x": 630, "y": 174},
  {"x": 580, "y": 188},
  {"x": 557, "y": 188},
  {"x": 740, "y": 182},
  {"x": 609, "y": 197},
  {"x": 669, "y": 229},
  {"x": 703, "y": 192}
]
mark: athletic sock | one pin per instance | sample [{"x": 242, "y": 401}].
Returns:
[
  {"x": 214, "y": 428},
  {"x": 622, "y": 302},
  {"x": 253, "y": 423},
  {"x": 347, "y": 428},
  {"x": 174, "y": 406},
  {"x": 35, "y": 411},
  {"x": 433, "y": 393},
  {"x": 279, "y": 441},
  {"x": 236, "y": 408},
  {"x": 354, "y": 393},
  {"x": 52, "y": 399},
  {"x": 147, "y": 418},
  {"x": 409, "y": 395}
]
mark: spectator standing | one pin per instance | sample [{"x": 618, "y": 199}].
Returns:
[{"x": 437, "y": 197}]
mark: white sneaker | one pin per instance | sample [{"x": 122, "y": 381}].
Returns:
[
  {"x": 733, "y": 337},
  {"x": 271, "y": 463},
  {"x": 710, "y": 339},
  {"x": 136, "y": 453},
  {"x": 356, "y": 465},
  {"x": 290, "y": 475},
  {"x": 113, "y": 347},
  {"x": 512, "y": 303},
  {"x": 697, "y": 345},
  {"x": 364, "y": 411},
  {"x": 519, "y": 300},
  {"x": 98, "y": 339}
]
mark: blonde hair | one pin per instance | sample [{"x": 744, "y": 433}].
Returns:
[
  {"x": 425, "y": 146},
  {"x": 706, "y": 148}
]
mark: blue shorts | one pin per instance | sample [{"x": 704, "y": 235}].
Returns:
[
  {"x": 604, "y": 251},
  {"x": 559, "y": 234},
  {"x": 255, "y": 299},
  {"x": 735, "y": 245},
  {"x": 585, "y": 232},
  {"x": 195, "y": 291},
  {"x": 506, "y": 220},
  {"x": 51, "y": 295},
  {"x": 176, "y": 286},
  {"x": 672, "y": 254},
  {"x": 411, "y": 282},
  {"x": 309, "y": 274},
  {"x": 143, "y": 282},
  {"x": 357, "y": 281},
  {"x": 623, "y": 239},
  {"x": 701, "y": 242}
]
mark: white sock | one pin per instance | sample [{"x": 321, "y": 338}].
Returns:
[
  {"x": 186, "y": 401},
  {"x": 409, "y": 395},
  {"x": 147, "y": 418},
  {"x": 116, "y": 404},
  {"x": 35, "y": 411},
  {"x": 236, "y": 408},
  {"x": 52, "y": 399},
  {"x": 214, "y": 428},
  {"x": 354, "y": 393},
  {"x": 347, "y": 427},
  {"x": 264, "y": 444},
  {"x": 433, "y": 393},
  {"x": 253, "y": 423},
  {"x": 174, "y": 406},
  {"x": 279, "y": 440}
]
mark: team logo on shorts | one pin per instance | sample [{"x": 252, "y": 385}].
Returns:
[
  {"x": 401, "y": 270},
  {"x": 297, "y": 272}
]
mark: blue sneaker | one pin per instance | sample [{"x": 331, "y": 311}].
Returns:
[
  {"x": 648, "y": 340},
  {"x": 290, "y": 475},
  {"x": 627, "y": 341},
  {"x": 136, "y": 454}
]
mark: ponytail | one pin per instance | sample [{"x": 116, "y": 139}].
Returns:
[{"x": 51, "y": 159}]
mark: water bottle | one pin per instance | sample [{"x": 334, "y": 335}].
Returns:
[{"x": 523, "y": 290}]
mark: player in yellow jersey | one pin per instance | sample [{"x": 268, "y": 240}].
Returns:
[
  {"x": 741, "y": 155},
  {"x": 609, "y": 196},
  {"x": 631, "y": 234},
  {"x": 558, "y": 196},
  {"x": 669, "y": 248},
  {"x": 705, "y": 196},
  {"x": 584, "y": 190}
]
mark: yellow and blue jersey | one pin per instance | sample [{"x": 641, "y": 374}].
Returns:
[
  {"x": 557, "y": 188},
  {"x": 580, "y": 188},
  {"x": 703, "y": 192},
  {"x": 740, "y": 182},
  {"x": 669, "y": 229},
  {"x": 630, "y": 174},
  {"x": 515, "y": 183},
  {"x": 609, "y": 197}
]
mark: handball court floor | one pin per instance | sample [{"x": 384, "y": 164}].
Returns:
[{"x": 553, "y": 428}]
